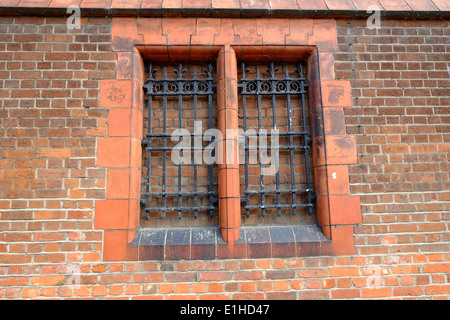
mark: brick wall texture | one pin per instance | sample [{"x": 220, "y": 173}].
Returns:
[{"x": 50, "y": 122}]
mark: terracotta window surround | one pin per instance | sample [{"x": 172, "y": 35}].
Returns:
[{"x": 225, "y": 40}]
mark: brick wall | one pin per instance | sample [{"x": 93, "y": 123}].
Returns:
[{"x": 49, "y": 180}]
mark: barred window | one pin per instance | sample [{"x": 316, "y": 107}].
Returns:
[
  {"x": 273, "y": 112},
  {"x": 180, "y": 185},
  {"x": 180, "y": 101}
]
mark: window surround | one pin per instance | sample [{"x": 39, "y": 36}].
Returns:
[{"x": 164, "y": 39}]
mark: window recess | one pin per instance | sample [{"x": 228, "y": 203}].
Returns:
[
  {"x": 274, "y": 116},
  {"x": 178, "y": 97}
]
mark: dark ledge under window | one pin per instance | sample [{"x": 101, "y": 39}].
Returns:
[{"x": 207, "y": 243}]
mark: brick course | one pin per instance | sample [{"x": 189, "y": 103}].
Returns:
[{"x": 51, "y": 174}]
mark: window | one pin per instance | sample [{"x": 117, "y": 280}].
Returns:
[
  {"x": 225, "y": 41},
  {"x": 274, "y": 99},
  {"x": 178, "y": 183},
  {"x": 245, "y": 161}
]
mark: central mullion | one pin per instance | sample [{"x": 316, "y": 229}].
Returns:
[{"x": 228, "y": 171}]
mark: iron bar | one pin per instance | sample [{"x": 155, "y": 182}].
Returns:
[
  {"x": 210, "y": 167},
  {"x": 272, "y": 71},
  {"x": 185, "y": 208},
  {"x": 261, "y": 176},
  {"x": 280, "y": 191},
  {"x": 167, "y": 194},
  {"x": 285, "y": 205},
  {"x": 149, "y": 154},
  {"x": 291, "y": 142},
  {"x": 180, "y": 119}
]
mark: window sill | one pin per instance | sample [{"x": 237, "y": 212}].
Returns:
[{"x": 207, "y": 243}]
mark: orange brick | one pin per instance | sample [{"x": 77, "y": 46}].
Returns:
[
  {"x": 324, "y": 35},
  {"x": 113, "y": 152},
  {"x": 248, "y": 286},
  {"x": 300, "y": 29},
  {"x": 336, "y": 93},
  {"x": 273, "y": 31},
  {"x": 334, "y": 121},
  {"x": 345, "y": 293},
  {"x": 178, "y": 30},
  {"x": 115, "y": 247},
  {"x": 99, "y": 291},
  {"x": 125, "y": 34},
  {"x": 133, "y": 289},
  {"x": 55, "y": 153},
  {"x": 115, "y": 290},
  {"x": 341, "y": 150},
  {"x": 165, "y": 288},
  {"x": 115, "y": 94},
  {"x": 376, "y": 292},
  {"x": 344, "y": 272},
  {"x": 111, "y": 214},
  {"x": 119, "y": 122},
  {"x": 345, "y": 210},
  {"x": 118, "y": 183},
  {"x": 48, "y": 280},
  {"x": 199, "y": 288}
]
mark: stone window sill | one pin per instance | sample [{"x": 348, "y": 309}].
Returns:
[{"x": 206, "y": 243}]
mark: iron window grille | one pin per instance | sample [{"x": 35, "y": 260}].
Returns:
[
  {"x": 270, "y": 86},
  {"x": 169, "y": 88}
]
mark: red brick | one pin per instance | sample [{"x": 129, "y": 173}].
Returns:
[
  {"x": 118, "y": 184},
  {"x": 113, "y": 152},
  {"x": 115, "y": 94},
  {"x": 376, "y": 292},
  {"x": 111, "y": 214},
  {"x": 55, "y": 153},
  {"x": 336, "y": 93},
  {"x": 341, "y": 150},
  {"x": 48, "y": 280}
]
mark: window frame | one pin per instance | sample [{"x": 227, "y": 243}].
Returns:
[{"x": 333, "y": 150}]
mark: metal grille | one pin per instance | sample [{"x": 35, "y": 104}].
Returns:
[
  {"x": 171, "y": 85},
  {"x": 273, "y": 87}
]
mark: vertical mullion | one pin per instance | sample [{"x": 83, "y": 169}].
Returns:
[{"x": 261, "y": 176}]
